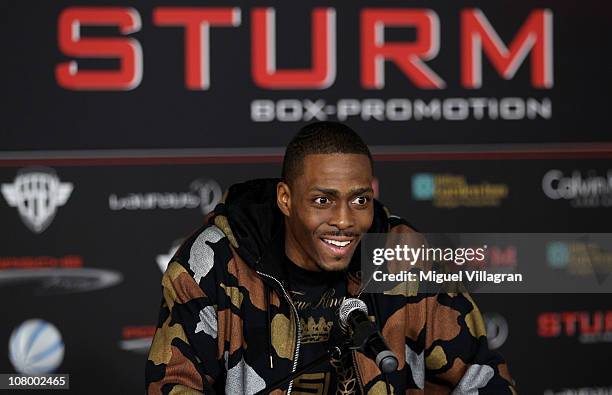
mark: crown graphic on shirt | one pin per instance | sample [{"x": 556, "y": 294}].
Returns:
[{"x": 315, "y": 332}]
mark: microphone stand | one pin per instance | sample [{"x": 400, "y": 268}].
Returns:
[{"x": 334, "y": 352}]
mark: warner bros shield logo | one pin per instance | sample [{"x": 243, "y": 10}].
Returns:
[{"x": 37, "y": 193}]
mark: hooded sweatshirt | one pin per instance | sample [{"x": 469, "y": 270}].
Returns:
[{"x": 229, "y": 324}]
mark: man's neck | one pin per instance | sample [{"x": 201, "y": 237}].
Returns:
[{"x": 296, "y": 253}]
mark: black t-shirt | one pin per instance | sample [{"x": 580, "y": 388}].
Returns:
[{"x": 317, "y": 297}]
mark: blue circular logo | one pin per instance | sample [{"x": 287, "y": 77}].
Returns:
[
  {"x": 36, "y": 347},
  {"x": 423, "y": 186}
]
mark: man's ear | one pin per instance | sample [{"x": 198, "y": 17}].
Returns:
[{"x": 283, "y": 198}]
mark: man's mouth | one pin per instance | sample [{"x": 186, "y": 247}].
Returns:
[{"x": 337, "y": 245}]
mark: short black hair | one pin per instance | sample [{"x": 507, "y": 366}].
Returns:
[{"x": 321, "y": 138}]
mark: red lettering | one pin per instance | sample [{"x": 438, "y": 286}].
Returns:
[
  {"x": 130, "y": 332},
  {"x": 569, "y": 321},
  {"x": 72, "y": 261},
  {"x": 505, "y": 257},
  {"x": 128, "y": 50},
  {"x": 477, "y": 36},
  {"x": 322, "y": 72},
  {"x": 549, "y": 325},
  {"x": 408, "y": 57},
  {"x": 588, "y": 328},
  {"x": 197, "y": 22},
  {"x": 608, "y": 322}
]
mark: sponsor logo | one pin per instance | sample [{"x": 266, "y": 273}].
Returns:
[
  {"x": 401, "y": 109},
  {"x": 498, "y": 257},
  {"x": 580, "y": 258},
  {"x": 36, "y": 347},
  {"x": 502, "y": 256},
  {"x": 203, "y": 193},
  {"x": 163, "y": 259},
  {"x": 592, "y": 190},
  {"x": 37, "y": 193},
  {"x": 557, "y": 254},
  {"x": 586, "y": 326},
  {"x": 472, "y": 37},
  {"x": 471, "y": 29},
  {"x": 56, "y": 275},
  {"x": 137, "y": 338},
  {"x": 423, "y": 186},
  {"x": 497, "y": 330},
  {"x": 451, "y": 191}
]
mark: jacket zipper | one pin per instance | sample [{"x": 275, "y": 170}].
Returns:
[{"x": 298, "y": 339}]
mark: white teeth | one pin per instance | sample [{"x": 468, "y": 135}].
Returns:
[{"x": 337, "y": 243}]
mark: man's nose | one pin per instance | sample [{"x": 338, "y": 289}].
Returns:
[{"x": 342, "y": 217}]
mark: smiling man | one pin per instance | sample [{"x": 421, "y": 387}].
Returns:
[
  {"x": 253, "y": 295},
  {"x": 326, "y": 199}
]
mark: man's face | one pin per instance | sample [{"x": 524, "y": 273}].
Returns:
[{"x": 328, "y": 208}]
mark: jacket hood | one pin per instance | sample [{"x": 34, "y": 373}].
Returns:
[{"x": 252, "y": 221}]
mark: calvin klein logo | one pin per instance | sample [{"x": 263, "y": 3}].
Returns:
[{"x": 37, "y": 193}]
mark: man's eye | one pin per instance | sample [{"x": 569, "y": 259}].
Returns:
[
  {"x": 321, "y": 200},
  {"x": 360, "y": 200}
]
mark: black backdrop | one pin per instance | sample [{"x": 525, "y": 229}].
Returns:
[{"x": 146, "y": 163}]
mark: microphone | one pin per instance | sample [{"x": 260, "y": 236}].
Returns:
[{"x": 353, "y": 314}]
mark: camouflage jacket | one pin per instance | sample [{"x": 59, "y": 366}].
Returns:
[{"x": 227, "y": 323}]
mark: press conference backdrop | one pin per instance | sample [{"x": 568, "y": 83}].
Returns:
[{"x": 123, "y": 123}]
